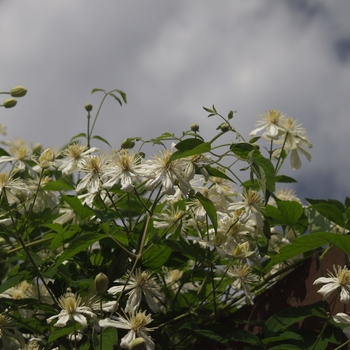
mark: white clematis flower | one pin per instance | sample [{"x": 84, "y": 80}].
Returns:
[
  {"x": 136, "y": 323},
  {"x": 340, "y": 279}
]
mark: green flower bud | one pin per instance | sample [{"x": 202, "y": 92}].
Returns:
[
  {"x": 18, "y": 91},
  {"x": 101, "y": 283},
  {"x": 138, "y": 344},
  {"x": 194, "y": 127},
  {"x": 9, "y": 103},
  {"x": 88, "y": 107},
  {"x": 224, "y": 127},
  {"x": 127, "y": 143}
]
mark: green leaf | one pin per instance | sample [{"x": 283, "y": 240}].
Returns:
[
  {"x": 62, "y": 238},
  {"x": 339, "y": 205},
  {"x": 280, "y": 321},
  {"x": 96, "y": 89},
  {"x": 61, "y": 332},
  {"x": 244, "y": 337},
  {"x": 203, "y": 147},
  {"x": 347, "y": 202},
  {"x": 188, "y": 144},
  {"x": 230, "y": 115},
  {"x": 122, "y": 94},
  {"x": 264, "y": 170},
  {"x": 217, "y": 173},
  {"x": 82, "y": 210},
  {"x": 190, "y": 250},
  {"x": 208, "y": 110},
  {"x": 281, "y": 337},
  {"x": 109, "y": 339},
  {"x": 101, "y": 139},
  {"x": 286, "y": 213},
  {"x": 116, "y": 98},
  {"x": 288, "y": 347},
  {"x": 254, "y": 139},
  {"x": 121, "y": 237},
  {"x": 254, "y": 185},
  {"x": 309, "y": 242},
  {"x": 3, "y": 152},
  {"x": 209, "y": 208},
  {"x": 205, "y": 333},
  {"x": 316, "y": 221},
  {"x": 243, "y": 149},
  {"x": 284, "y": 179},
  {"x": 330, "y": 212},
  {"x": 59, "y": 185},
  {"x": 78, "y": 244},
  {"x": 155, "y": 256},
  {"x": 82, "y": 134},
  {"x": 11, "y": 282}
]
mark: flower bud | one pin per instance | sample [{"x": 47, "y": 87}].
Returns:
[
  {"x": 127, "y": 143},
  {"x": 47, "y": 158},
  {"x": 18, "y": 91},
  {"x": 138, "y": 344},
  {"x": 224, "y": 127},
  {"x": 88, "y": 107},
  {"x": 9, "y": 103},
  {"x": 194, "y": 127},
  {"x": 101, "y": 283}
]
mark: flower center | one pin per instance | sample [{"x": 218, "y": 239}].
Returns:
[
  {"x": 139, "y": 321},
  {"x": 3, "y": 180},
  {"x": 344, "y": 277},
  {"x": 69, "y": 304}
]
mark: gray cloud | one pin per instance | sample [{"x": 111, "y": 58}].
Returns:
[{"x": 171, "y": 58}]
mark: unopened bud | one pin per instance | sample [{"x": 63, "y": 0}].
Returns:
[
  {"x": 18, "y": 91},
  {"x": 224, "y": 127},
  {"x": 101, "y": 283},
  {"x": 127, "y": 143},
  {"x": 194, "y": 127},
  {"x": 47, "y": 158},
  {"x": 138, "y": 344},
  {"x": 9, "y": 103},
  {"x": 88, "y": 107}
]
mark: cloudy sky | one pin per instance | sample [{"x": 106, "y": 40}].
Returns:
[{"x": 172, "y": 58}]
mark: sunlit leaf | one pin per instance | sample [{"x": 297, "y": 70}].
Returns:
[
  {"x": 109, "y": 339},
  {"x": 310, "y": 242},
  {"x": 155, "y": 256}
]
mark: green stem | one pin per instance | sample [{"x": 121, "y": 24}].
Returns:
[
  {"x": 326, "y": 323},
  {"x": 339, "y": 347},
  {"x": 98, "y": 112},
  {"x": 88, "y": 136}
]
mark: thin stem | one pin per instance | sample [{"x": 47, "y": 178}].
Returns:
[
  {"x": 98, "y": 112},
  {"x": 339, "y": 347},
  {"x": 326, "y": 323},
  {"x": 88, "y": 136}
]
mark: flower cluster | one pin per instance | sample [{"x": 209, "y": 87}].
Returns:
[
  {"x": 284, "y": 131},
  {"x": 183, "y": 237}
]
